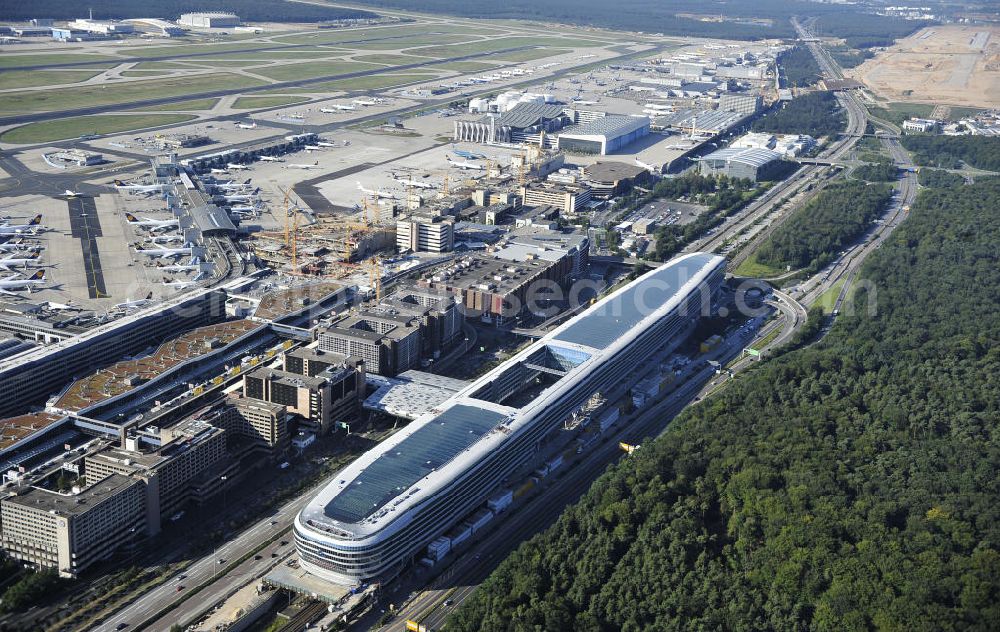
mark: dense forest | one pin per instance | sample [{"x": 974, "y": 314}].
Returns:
[
  {"x": 849, "y": 485},
  {"x": 817, "y": 114},
  {"x": 671, "y": 17},
  {"x": 865, "y": 31},
  {"x": 255, "y": 10},
  {"x": 881, "y": 171},
  {"x": 981, "y": 152},
  {"x": 939, "y": 178},
  {"x": 799, "y": 67},
  {"x": 813, "y": 236}
]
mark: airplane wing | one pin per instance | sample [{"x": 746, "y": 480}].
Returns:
[{"x": 2, "y": 291}]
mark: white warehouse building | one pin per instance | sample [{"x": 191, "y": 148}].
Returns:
[
  {"x": 382, "y": 511},
  {"x": 210, "y": 20}
]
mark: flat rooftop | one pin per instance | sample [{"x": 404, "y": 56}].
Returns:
[
  {"x": 279, "y": 303},
  {"x": 14, "y": 429},
  {"x": 612, "y": 171},
  {"x": 426, "y": 456},
  {"x": 128, "y": 374},
  {"x": 411, "y": 393},
  {"x": 475, "y": 270},
  {"x": 73, "y": 504}
]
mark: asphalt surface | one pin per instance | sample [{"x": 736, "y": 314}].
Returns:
[{"x": 85, "y": 225}]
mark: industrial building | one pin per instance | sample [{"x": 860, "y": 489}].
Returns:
[
  {"x": 103, "y": 28},
  {"x": 741, "y": 103},
  {"x": 604, "y": 135},
  {"x": 568, "y": 198},
  {"x": 381, "y": 512},
  {"x": 388, "y": 344},
  {"x": 425, "y": 233},
  {"x": 72, "y": 531},
  {"x": 750, "y": 164},
  {"x": 611, "y": 179},
  {"x": 209, "y": 20}
]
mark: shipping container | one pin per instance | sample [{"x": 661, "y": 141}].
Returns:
[
  {"x": 609, "y": 418},
  {"x": 479, "y": 519},
  {"x": 500, "y": 501}
]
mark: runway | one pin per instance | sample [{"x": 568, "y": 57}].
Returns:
[{"x": 85, "y": 225}]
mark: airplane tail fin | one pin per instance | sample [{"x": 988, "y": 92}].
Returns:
[
  {"x": 130, "y": 218},
  {"x": 316, "y": 163},
  {"x": 38, "y": 276},
  {"x": 119, "y": 183},
  {"x": 36, "y": 220},
  {"x": 149, "y": 296}
]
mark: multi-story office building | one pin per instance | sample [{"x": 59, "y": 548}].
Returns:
[
  {"x": 262, "y": 422},
  {"x": 321, "y": 400},
  {"x": 439, "y": 315},
  {"x": 387, "y": 344},
  {"x": 567, "y": 198},
  {"x": 189, "y": 448},
  {"x": 70, "y": 532},
  {"x": 380, "y": 512},
  {"x": 311, "y": 361},
  {"x": 425, "y": 233}
]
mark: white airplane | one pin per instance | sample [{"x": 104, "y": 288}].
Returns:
[
  {"x": 220, "y": 171},
  {"x": 366, "y": 102},
  {"x": 12, "y": 284},
  {"x": 376, "y": 193},
  {"x": 311, "y": 147},
  {"x": 239, "y": 199},
  {"x": 194, "y": 264},
  {"x": 302, "y": 166},
  {"x": 270, "y": 159},
  {"x": 242, "y": 125},
  {"x": 62, "y": 307},
  {"x": 17, "y": 229},
  {"x": 140, "y": 188},
  {"x": 129, "y": 304},
  {"x": 71, "y": 194},
  {"x": 326, "y": 143},
  {"x": 164, "y": 253},
  {"x": 336, "y": 107},
  {"x": 180, "y": 284},
  {"x": 20, "y": 262},
  {"x": 243, "y": 209},
  {"x": 237, "y": 167},
  {"x": 465, "y": 164},
  {"x": 416, "y": 184},
  {"x": 152, "y": 224},
  {"x": 648, "y": 166},
  {"x": 232, "y": 186},
  {"x": 18, "y": 246},
  {"x": 296, "y": 116},
  {"x": 167, "y": 239}
]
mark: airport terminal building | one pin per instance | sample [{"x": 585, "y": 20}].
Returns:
[{"x": 383, "y": 510}]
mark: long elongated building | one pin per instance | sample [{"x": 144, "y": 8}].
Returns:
[{"x": 378, "y": 514}]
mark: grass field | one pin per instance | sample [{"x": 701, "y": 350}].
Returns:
[
  {"x": 416, "y": 40},
  {"x": 530, "y": 55},
  {"x": 144, "y": 73},
  {"x": 192, "y": 105},
  {"x": 828, "y": 299},
  {"x": 391, "y": 60},
  {"x": 186, "y": 49},
  {"x": 159, "y": 65},
  {"x": 369, "y": 82},
  {"x": 466, "y": 66},
  {"x": 485, "y": 46},
  {"x": 308, "y": 70},
  {"x": 85, "y": 96},
  {"x": 751, "y": 268},
  {"x": 897, "y": 111},
  {"x": 352, "y": 35},
  {"x": 255, "y": 103},
  {"x": 34, "y": 78},
  {"x": 20, "y": 61},
  {"x": 100, "y": 124}
]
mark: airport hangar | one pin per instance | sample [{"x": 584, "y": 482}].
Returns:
[{"x": 378, "y": 514}]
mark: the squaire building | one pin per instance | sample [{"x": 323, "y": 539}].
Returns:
[{"x": 383, "y": 509}]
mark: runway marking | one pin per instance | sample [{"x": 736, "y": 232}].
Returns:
[{"x": 85, "y": 225}]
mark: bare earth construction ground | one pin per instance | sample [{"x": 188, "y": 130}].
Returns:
[{"x": 955, "y": 65}]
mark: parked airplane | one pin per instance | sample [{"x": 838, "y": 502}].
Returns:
[
  {"x": 648, "y": 166},
  {"x": 302, "y": 166},
  {"x": 242, "y": 125},
  {"x": 271, "y": 159},
  {"x": 229, "y": 186},
  {"x": 167, "y": 239},
  {"x": 164, "y": 253},
  {"x": 62, "y": 307},
  {"x": 12, "y": 284},
  {"x": 414, "y": 183},
  {"x": 237, "y": 167},
  {"x": 129, "y": 304},
  {"x": 468, "y": 155},
  {"x": 194, "y": 264},
  {"x": 220, "y": 171},
  {"x": 243, "y": 209},
  {"x": 17, "y": 229},
  {"x": 71, "y": 194},
  {"x": 140, "y": 188},
  {"x": 463, "y": 164},
  {"x": 376, "y": 193},
  {"x": 18, "y": 246},
  {"x": 20, "y": 262},
  {"x": 152, "y": 224},
  {"x": 336, "y": 107},
  {"x": 326, "y": 143},
  {"x": 180, "y": 284},
  {"x": 311, "y": 147},
  {"x": 296, "y": 116},
  {"x": 366, "y": 102},
  {"x": 239, "y": 199}
]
